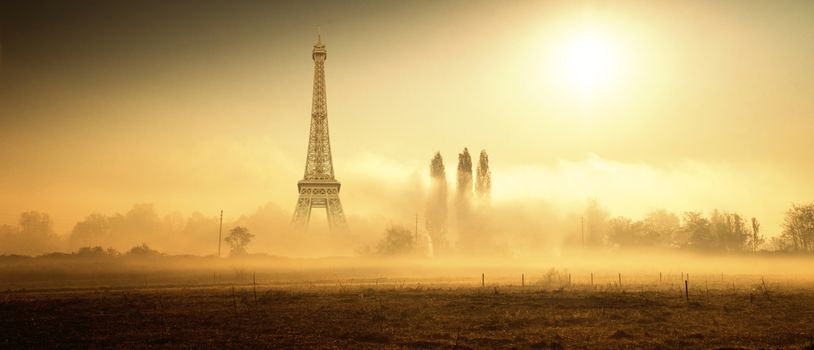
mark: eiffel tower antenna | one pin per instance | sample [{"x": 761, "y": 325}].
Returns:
[{"x": 319, "y": 188}]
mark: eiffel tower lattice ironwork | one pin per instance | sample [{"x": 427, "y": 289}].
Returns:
[{"x": 319, "y": 188}]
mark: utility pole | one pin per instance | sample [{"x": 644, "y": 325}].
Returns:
[
  {"x": 416, "y": 228},
  {"x": 220, "y": 232},
  {"x": 583, "y": 230}
]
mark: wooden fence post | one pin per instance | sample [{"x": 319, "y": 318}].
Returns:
[
  {"x": 706, "y": 285},
  {"x": 686, "y": 291}
]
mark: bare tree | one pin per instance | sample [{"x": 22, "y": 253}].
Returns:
[
  {"x": 661, "y": 228},
  {"x": 728, "y": 232},
  {"x": 34, "y": 234},
  {"x": 756, "y": 239},
  {"x": 239, "y": 238},
  {"x": 696, "y": 230},
  {"x": 624, "y": 232},
  {"x": 94, "y": 230},
  {"x": 397, "y": 241},
  {"x": 798, "y": 227}
]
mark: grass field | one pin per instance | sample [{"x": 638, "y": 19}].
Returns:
[{"x": 383, "y": 313}]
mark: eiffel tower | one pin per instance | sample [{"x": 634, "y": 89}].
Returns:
[{"x": 319, "y": 188}]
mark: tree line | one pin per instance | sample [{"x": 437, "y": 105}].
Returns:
[
  {"x": 720, "y": 231},
  {"x": 34, "y": 233}
]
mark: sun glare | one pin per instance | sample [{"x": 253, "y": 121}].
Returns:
[{"x": 588, "y": 61}]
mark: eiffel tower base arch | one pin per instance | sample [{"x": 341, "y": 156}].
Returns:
[{"x": 322, "y": 194}]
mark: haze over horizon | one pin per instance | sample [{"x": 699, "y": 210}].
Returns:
[{"x": 202, "y": 106}]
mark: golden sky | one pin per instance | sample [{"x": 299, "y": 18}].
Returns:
[{"x": 198, "y": 106}]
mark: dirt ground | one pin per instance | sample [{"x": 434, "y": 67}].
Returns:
[{"x": 398, "y": 316}]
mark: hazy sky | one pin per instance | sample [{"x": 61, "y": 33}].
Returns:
[{"x": 205, "y": 105}]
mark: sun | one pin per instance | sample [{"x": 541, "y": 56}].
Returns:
[{"x": 589, "y": 61}]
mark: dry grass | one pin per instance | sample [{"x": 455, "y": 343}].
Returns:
[{"x": 409, "y": 315}]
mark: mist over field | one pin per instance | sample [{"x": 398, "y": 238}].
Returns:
[
  {"x": 457, "y": 215},
  {"x": 362, "y": 174},
  {"x": 459, "y": 218}
]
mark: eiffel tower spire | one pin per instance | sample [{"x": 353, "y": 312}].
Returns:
[
  {"x": 319, "y": 188},
  {"x": 318, "y": 164}
]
